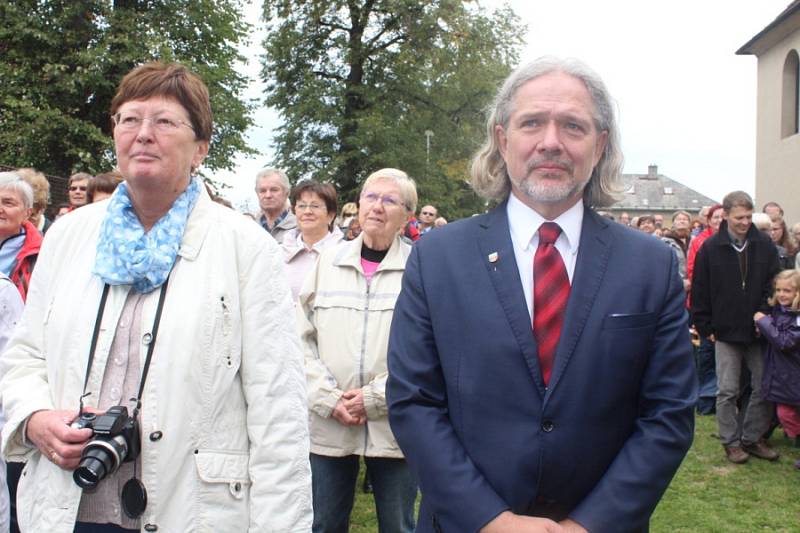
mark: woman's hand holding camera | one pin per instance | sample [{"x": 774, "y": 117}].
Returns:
[{"x": 51, "y": 433}]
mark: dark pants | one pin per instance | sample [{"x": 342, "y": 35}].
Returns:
[
  {"x": 333, "y": 480},
  {"x": 13, "y": 473},
  {"x": 707, "y": 378},
  {"x": 85, "y": 527}
]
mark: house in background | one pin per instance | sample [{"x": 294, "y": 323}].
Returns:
[
  {"x": 654, "y": 193},
  {"x": 778, "y": 112}
]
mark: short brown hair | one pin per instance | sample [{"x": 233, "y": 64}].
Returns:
[
  {"x": 173, "y": 81},
  {"x": 326, "y": 191},
  {"x": 737, "y": 199},
  {"x": 106, "y": 182}
]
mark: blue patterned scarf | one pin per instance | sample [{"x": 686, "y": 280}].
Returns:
[{"x": 126, "y": 255}]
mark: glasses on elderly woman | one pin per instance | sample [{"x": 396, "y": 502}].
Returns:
[
  {"x": 370, "y": 198},
  {"x": 74, "y": 188},
  {"x": 163, "y": 123}
]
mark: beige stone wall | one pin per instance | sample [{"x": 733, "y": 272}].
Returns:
[{"x": 777, "y": 157}]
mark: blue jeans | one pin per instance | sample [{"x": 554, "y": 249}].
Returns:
[
  {"x": 707, "y": 378},
  {"x": 333, "y": 480}
]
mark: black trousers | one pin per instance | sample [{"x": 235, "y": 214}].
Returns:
[{"x": 85, "y": 527}]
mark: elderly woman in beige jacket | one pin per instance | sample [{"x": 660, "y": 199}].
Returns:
[{"x": 346, "y": 309}]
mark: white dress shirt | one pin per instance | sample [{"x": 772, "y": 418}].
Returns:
[{"x": 524, "y": 222}]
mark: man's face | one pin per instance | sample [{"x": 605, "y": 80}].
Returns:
[
  {"x": 773, "y": 211},
  {"x": 625, "y": 218},
  {"x": 271, "y": 194},
  {"x": 427, "y": 214},
  {"x": 551, "y": 145},
  {"x": 77, "y": 192},
  {"x": 659, "y": 220},
  {"x": 739, "y": 219}
]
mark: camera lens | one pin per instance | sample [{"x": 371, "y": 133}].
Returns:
[
  {"x": 100, "y": 458},
  {"x": 89, "y": 473}
]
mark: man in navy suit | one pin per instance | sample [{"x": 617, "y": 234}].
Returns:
[{"x": 511, "y": 426}]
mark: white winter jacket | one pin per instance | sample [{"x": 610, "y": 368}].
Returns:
[
  {"x": 344, "y": 327},
  {"x": 224, "y": 419}
]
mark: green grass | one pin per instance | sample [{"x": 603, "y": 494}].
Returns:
[{"x": 708, "y": 494}]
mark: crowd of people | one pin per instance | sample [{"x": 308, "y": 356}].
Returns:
[
  {"x": 170, "y": 365},
  {"x": 747, "y": 338}
]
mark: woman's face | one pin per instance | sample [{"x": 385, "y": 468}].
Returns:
[
  {"x": 382, "y": 212},
  {"x": 681, "y": 222},
  {"x": 647, "y": 226},
  {"x": 12, "y": 212},
  {"x": 715, "y": 220},
  {"x": 153, "y": 157},
  {"x": 312, "y": 214},
  {"x": 776, "y": 232}
]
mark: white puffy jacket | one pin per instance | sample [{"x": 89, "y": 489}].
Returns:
[{"x": 224, "y": 419}]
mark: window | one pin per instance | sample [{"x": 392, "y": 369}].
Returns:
[
  {"x": 790, "y": 99},
  {"x": 667, "y": 190}
]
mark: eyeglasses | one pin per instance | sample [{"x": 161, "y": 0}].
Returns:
[
  {"x": 74, "y": 188},
  {"x": 162, "y": 123},
  {"x": 427, "y": 213},
  {"x": 370, "y": 198},
  {"x": 312, "y": 207}
]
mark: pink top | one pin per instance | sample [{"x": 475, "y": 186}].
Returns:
[{"x": 369, "y": 268}]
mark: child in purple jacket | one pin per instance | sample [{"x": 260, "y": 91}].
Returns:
[{"x": 781, "y": 329}]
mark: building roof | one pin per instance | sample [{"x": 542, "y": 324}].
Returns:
[
  {"x": 784, "y": 24},
  {"x": 656, "y": 192}
]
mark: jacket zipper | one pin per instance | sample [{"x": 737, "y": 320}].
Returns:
[{"x": 361, "y": 361}]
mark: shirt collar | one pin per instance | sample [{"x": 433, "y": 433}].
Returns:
[{"x": 524, "y": 223}]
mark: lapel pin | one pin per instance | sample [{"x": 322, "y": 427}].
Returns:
[{"x": 493, "y": 257}]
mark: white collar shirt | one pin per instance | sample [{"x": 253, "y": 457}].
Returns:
[{"x": 524, "y": 222}]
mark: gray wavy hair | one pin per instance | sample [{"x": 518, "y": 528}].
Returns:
[{"x": 488, "y": 172}]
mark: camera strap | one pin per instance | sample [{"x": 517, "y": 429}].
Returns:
[{"x": 150, "y": 346}]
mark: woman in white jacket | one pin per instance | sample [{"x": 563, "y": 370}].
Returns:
[{"x": 165, "y": 303}]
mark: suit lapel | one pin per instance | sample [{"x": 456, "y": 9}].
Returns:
[
  {"x": 497, "y": 254},
  {"x": 590, "y": 269}
]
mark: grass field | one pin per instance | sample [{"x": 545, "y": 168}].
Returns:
[{"x": 708, "y": 494}]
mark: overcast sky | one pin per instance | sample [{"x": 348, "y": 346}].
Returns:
[{"x": 686, "y": 102}]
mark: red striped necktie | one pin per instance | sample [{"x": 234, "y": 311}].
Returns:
[{"x": 550, "y": 295}]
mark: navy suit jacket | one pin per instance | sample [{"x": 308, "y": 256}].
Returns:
[{"x": 468, "y": 406}]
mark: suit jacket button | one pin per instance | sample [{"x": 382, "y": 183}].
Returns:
[{"x": 548, "y": 426}]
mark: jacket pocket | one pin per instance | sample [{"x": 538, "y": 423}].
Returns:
[
  {"x": 628, "y": 320},
  {"x": 223, "y": 490},
  {"x": 224, "y": 467}
]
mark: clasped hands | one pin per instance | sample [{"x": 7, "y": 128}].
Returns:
[
  {"x": 349, "y": 410},
  {"x": 507, "y": 522}
]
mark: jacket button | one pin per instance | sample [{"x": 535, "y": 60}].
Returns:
[
  {"x": 156, "y": 435},
  {"x": 150, "y": 527},
  {"x": 548, "y": 426}
]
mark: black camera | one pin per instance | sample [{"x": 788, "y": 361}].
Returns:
[{"x": 115, "y": 440}]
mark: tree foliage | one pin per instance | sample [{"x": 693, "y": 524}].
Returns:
[
  {"x": 359, "y": 82},
  {"x": 61, "y": 62}
]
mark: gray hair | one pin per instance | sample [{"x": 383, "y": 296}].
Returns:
[
  {"x": 489, "y": 174},
  {"x": 267, "y": 172},
  {"x": 762, "y": 221},
  {"x": 11, "y": 181},
  {"x": 408, "y": 189}
]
